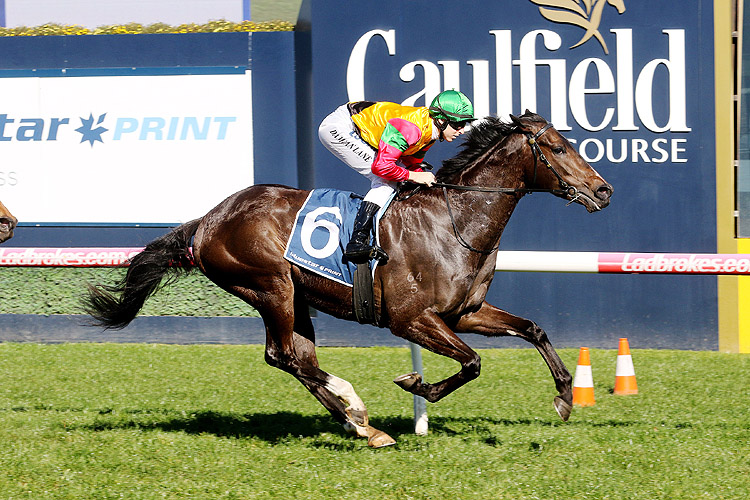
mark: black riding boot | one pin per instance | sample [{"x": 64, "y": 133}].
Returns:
[{"x": 359, "y": 250}]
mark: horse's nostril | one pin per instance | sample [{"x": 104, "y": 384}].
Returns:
[{"x": 604, "y": 192}]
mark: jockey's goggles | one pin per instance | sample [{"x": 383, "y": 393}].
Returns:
[{"x": 458, "y": 125}]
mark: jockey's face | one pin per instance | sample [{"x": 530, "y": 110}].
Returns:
[{"x": 451, "y": 133}]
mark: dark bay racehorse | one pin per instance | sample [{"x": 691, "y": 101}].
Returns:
[
  {"x": 447, "y": 237},
  {"x": 7, "y": 223}
]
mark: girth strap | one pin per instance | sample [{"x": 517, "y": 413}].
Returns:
[{"x": 363, "y": 296}]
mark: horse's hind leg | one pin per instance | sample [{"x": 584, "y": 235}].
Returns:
[
  {"x": 290, "y": 346},
  {"x": 491, "y": 321}
]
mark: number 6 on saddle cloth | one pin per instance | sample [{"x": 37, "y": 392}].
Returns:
[{"x": 322, "y": 228}]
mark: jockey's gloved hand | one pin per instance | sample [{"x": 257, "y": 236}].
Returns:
[{"x": 421, "y": 177}]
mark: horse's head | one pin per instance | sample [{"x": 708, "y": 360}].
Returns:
[
  {"x": 7, "y": 223},
  {"x": 556, "y": 165}
]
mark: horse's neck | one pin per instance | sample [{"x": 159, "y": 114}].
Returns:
[
  {"x": 485, "y": 214},
  {"x": 501, "y": 167}
]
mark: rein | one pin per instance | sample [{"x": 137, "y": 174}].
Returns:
[{"x": 565, "y": 188}]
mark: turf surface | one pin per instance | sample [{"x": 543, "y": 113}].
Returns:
[{"x": 214, "y": 422}]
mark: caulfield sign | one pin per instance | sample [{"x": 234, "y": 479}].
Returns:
[
  {"x": 606, "y": 74},
  {"x": 631, "y": 84},
  {"x": 630, "y": 91}
]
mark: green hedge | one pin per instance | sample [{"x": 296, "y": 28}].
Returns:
[
  {"x": 32, "y": 290},
  {"x": 220, "y": 26}
]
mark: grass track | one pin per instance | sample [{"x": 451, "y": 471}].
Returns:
[
  {"x": 100, "y": 421},
  {"x": 59, "y": 290}
]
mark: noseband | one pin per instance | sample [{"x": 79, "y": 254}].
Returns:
[{"x": 565, "y": 189}]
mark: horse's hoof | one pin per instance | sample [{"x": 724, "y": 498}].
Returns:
[
  {"x": 379, "y": 439},
  {"x": 563, "y": 409},
  {"x": 408, "y": 381}
]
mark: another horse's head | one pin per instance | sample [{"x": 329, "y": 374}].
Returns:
[
  {"x": 7, "y": 223},
  {"x": 557, "y": 166}
]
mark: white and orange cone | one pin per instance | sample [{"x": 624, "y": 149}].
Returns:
[
  {"x": 583, "y": 382},
  {"x": 625, "y": 372}
]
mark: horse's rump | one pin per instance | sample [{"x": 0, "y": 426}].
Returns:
[{"x": 240, "y": 245}]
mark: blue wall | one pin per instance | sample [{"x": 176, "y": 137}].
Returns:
[
  {"x": 274, "y": 108},
  {"x": 657, "y": 206}
]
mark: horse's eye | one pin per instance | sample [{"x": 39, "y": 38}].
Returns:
[{"x": 558, "y": 150}]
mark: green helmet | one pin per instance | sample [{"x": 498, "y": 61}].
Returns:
[{"x": 452, "y": 105}]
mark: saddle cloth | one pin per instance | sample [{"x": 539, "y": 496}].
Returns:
[{"x": 322, "y": 229}]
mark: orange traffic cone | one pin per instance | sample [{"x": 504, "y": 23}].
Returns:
[
  {"x": 583, "y": 382},
  {"x": 625, "y": 373}
]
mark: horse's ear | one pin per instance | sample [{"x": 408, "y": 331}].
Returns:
[{"x": 516, "y": 121}]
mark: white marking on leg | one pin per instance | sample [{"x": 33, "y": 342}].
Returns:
[
  {"x": 355, "y": 429},
  {"x": 345, "y": 392}
]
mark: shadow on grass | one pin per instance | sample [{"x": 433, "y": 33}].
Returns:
[
  {"x": 279, "y": 427},
  {"x": 270, "y": 427}
]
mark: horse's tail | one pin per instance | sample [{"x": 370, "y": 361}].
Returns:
[{"x": 115, "y": 306}]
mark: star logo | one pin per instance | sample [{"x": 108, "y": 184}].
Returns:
[{"x": 87, "y": 130}]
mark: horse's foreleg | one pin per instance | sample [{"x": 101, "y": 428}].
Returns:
[
  {"x": 430, "y": 332},
  {"x": 491, "y": 322},
  {"x": 293, "y": 350}
]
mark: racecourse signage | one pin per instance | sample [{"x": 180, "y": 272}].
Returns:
[
  {"x": 630, "y": 83},
  {"x": 606, "y": 73},
  {"x": 75, "y": 150},
  {"x": 66, "y": 257},
  {"x": 624, "y": 101},
  {"x": 631, "y": 92},
  {"x": 623, "y": 263}
]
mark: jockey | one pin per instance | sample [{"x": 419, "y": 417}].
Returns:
[{"x": 386, "y": 143}]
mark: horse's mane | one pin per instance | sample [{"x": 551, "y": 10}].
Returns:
[{"x": 483, "y": 134}]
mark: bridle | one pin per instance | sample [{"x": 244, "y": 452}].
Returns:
[
  {"x": 532, "y": 140},
  {"x": 565, "y": 189}
]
